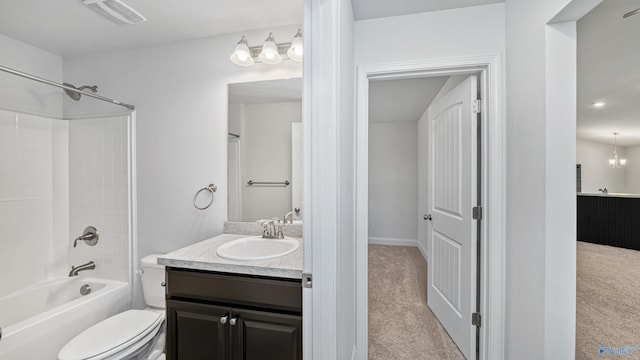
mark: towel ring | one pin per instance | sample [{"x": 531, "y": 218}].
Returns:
[{"x": 211, "y": 189}]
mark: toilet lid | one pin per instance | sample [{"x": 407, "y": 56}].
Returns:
[{"x": 111, "y": 335}]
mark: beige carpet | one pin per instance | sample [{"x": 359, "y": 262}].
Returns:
[
  {"x": 401, "y": 326},
  {"x": 608, "y": 300}
]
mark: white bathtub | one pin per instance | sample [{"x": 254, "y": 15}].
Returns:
[{"x": 38, "y": 321}]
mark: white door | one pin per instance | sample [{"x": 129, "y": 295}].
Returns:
[{"x": 452, "y": 194}]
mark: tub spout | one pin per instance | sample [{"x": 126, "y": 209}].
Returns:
[{"x": 76, "y": 269}]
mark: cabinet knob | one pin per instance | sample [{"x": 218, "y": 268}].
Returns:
[
  {"x": 223, "y": 320},
  {"x": 233, "y": 321}
]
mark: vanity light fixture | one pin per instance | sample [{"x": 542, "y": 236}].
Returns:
[
  {"x": 616, "y": 162},
  {"x": 269, "y": 53}
]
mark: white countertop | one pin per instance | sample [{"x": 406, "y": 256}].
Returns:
[
  {"x": 202, "y": 256},
  {"x": 611, "y": 195}
]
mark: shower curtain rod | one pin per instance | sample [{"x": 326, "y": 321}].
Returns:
[{"x": 49, "y": 82}]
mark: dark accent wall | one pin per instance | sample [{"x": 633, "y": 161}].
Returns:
[{"x": 609, "y": 220}]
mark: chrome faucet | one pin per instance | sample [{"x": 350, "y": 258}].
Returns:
[
  {"x": 604, "y": 190},
  {"x": 76, "y": 269},
  {"x": 288, "y": 215},
  {"x": 271, "y": 231}
]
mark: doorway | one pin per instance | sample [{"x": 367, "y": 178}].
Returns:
[
  {"x": 608, "y": 151},
  {"x": 460, "y": 306}
]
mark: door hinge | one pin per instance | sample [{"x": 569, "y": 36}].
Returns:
[
  {"x": 477, "y": 106},
  {"x": 476, "y": 319},
  {"x": 307, "y": 281},
  {"x": 477, "y": 213}
]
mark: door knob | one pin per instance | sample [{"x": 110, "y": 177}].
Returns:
[
  {"x": 428, "y": 217},
  {"x": 223, "y": 320},
  {"x": 233, "y": 321}
]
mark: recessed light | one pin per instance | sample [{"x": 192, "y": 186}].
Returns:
[{"x": 599, "y": 104}]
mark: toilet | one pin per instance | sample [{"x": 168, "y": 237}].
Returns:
[{"x": 132, "y": 334}]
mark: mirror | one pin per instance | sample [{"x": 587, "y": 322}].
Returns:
[{"x": 265, "y": 150}]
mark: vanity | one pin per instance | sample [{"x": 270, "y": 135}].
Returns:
[
  {"x": 238, "y": 296},
  {"x": 609, "y": 219},
  {"x": 219, "y": 308}
]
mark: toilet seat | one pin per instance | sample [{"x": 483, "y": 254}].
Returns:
[{"x": 125, "y": 332}]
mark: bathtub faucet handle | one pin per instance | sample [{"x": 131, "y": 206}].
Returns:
[{"x": 90, "y": 236}]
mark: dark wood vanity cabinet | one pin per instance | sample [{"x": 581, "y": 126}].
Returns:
[
  {"x": 262, "y": 335},
  {"x": 232, "y": 317},
  {"x": 196, "y": 332}
]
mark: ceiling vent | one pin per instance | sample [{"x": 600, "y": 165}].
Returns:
[{"x": 116, "y": 11}]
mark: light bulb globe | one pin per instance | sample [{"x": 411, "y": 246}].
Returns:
[
  {"x": 242, "y": 54},
  {"x": 296, "y": 49},
  {"x": 269, "y": 53}
]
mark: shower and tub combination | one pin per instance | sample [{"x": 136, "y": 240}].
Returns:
[{"x": 67, "y": 177}]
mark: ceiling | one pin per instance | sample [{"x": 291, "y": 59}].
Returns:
[
  {"x": 402, "y": 100},
  {"x": 371, "y": 9},
  {"x": 264, "y": 92},
  {"x": 609, "y": 71},
  {"x": 67, "y": 27}
]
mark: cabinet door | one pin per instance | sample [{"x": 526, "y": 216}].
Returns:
[
  {"x": 259, "y": 335},
  {"x": 196, "y": 331}
]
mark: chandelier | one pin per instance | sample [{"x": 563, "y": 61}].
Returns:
[{"x": 616, "y": 162}]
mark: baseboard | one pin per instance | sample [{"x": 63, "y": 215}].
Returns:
[
  {"x": 393, "y": 242},
  {"x": 423, "y": 251},
  {"x": 400, "y": 242}
]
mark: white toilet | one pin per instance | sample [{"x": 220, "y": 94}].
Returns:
[{"x": 132, "y": 334}]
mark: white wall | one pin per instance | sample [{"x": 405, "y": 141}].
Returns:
[
  {"x": 31, "y": 167},
  {"x": 297, "y": 178},
  {"x": 265, "y": 155},
  {"x": 346, "y": 275},
  {"x": 633, "y": 170},
  {"x": 540, "y": 270},
  {"x": 596, "y": 172},
  {"x": 440, "y": 34},
  {"x": 26, "y": 95},
  {"x": 393, "y": 183},
  {"x": 180, "y": 93}
]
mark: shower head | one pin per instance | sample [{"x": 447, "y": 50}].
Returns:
[
  {"x": 631, "y": 13},
  {"x": 75, "y": 95}
]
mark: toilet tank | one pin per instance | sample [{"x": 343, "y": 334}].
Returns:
[{"x": 152, "y": 281}]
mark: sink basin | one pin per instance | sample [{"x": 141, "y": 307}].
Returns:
[{"x": 257, "y": 248}]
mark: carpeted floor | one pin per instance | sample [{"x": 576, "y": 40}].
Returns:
[
  {"x": 401, "y": 326},
  {"x": 608, "y": 300}
]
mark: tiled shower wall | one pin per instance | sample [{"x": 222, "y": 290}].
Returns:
[
  {"x": 98, "y": 189},
  {"x": 57, "y": 177},
  {"x": 29, "y": 148}
]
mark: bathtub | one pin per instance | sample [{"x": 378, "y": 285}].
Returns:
[{"x": 38, "y": 321}]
